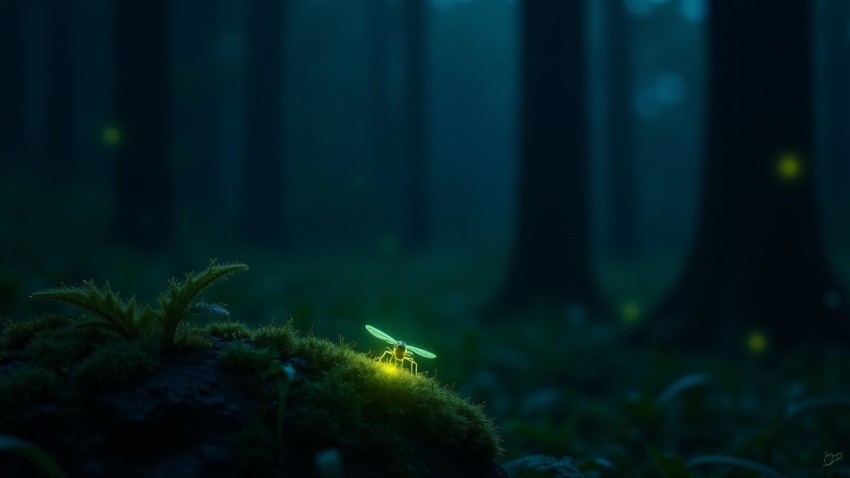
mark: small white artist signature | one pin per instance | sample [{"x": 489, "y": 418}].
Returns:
[{"x": 830, "y": 459}]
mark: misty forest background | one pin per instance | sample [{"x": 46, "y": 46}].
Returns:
[{"x": 574, "y": 204}]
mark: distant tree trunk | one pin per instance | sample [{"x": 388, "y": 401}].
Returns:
[
  {"x": 622, "y": 203},
  {"x": 836, "y": 114},
  {"x": 60, "y": 151},
  {"x": 199, "y": 86},
  {"x": 417, "y": 228},
  {"x": 263, "y": 188},
  {"x": 144, "y": 185},
  {"x": 551, "y": 258},
  {"x": 385, "y": 168},
  {"x": 758, "y": 263},
  {"x": 12, "y": 86}
]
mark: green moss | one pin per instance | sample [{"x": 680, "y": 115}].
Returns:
[
  {"x": 61, "y": 349},
  {"x": 318, "y": 395},
  {"x": 191, "y": 339},
  {"x": 321, "y": 354},
  {"x": 16, "y": 335},
  {"x": 115, "y": 363},
  {"x": 239, "y": 357},
  {"x": 26, "y": 385},
  {"x": 280, "y": 338},
  {"x": 229, "y": 330},
  {"x": 367, "y": 407}
]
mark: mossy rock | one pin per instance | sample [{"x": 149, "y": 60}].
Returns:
[{"x": 129, "y": 408}]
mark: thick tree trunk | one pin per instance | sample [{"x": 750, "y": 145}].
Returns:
[
  {"x": 197, "y": 122},
  {"x": 417, "y": 229},
  {"x": 386, "y": 178},
  {"x": 143, "y": 182},
  {"x": 758, "y": 263},
  {"x": 622, "y": 195},
  {"x": 263, "y": 188},
  {"x": 12, "y": 85},
  {"x": 836, "y": 115},
  {"x": 60, "y": 149},
  {"x": 551, "y": 261}
]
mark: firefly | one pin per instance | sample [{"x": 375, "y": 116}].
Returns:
[{"x": 400, "y": 351}]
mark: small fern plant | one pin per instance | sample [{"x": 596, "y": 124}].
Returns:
[
  {"x": 109, "y": 312},
  {"x": 128, "y": 320},
  {"x": 175, "y": 304}
]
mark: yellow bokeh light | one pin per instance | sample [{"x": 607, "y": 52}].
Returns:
[
  {"x": 111, "y": 136},
  {"x": 789, "y": 167},
  {"x": 630, "y": 312},
  {"x": 756, "y": 342}
]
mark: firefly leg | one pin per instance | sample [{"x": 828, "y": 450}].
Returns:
[
  {"x": 386, "y": 352},
  {"x": 414, "y": 367}
]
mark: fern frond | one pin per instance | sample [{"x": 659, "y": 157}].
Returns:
[
  {"x": 175, "y": 301},
  {"x": 111, "y": 313},
  {"x": 216, "y": 311},
  {"x": 130, "y": 321},
  {"x": 147, "y": 319}
]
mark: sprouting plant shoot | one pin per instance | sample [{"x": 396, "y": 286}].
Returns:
[{"x": 400, "y": 351}]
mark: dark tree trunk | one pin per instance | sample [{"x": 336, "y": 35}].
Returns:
[
  {"x": 197, "y": 122},
  {"x": 144, "y": 185},
  {"x": 12, "y": 86},
  {"x": 758, "y": 263},
  {"x": 417, "y": 230},
  {"x": 60, "y": 151},
  {"x": 836, "y": 115},
  {"x": 622, "y": 218},
  {"x": 263, "y": 188},
  {"x": 385, "y": 168},
  {"x": 551, "y": 259}
]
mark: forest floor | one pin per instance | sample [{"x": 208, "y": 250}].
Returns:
[{"x": 557, "y": 383}]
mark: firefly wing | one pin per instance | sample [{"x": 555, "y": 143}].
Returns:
[
  {"x": 421, "y": 352},
  {"x": 380, "y": 335}
]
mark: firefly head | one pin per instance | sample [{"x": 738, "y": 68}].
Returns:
[{"x": 400, "y": 350}]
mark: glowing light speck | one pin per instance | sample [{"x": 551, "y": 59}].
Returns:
[
  {"x": 789, "y": 167},
  {"x": 630, "y": 312},
  {"x": 756, "y": 342},
  {"x": 111, "y": 136}
]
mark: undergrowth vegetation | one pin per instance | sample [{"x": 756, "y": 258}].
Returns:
[
  {"x": 129, "y": 321},
  {"x": 322, "y": 395},
  {"x": 567, "y": 394}
]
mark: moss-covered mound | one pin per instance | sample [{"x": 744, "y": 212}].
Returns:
[{"x": 228, "y": 401}]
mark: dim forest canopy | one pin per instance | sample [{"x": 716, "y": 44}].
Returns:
[{"x": 491, "y": 238}]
